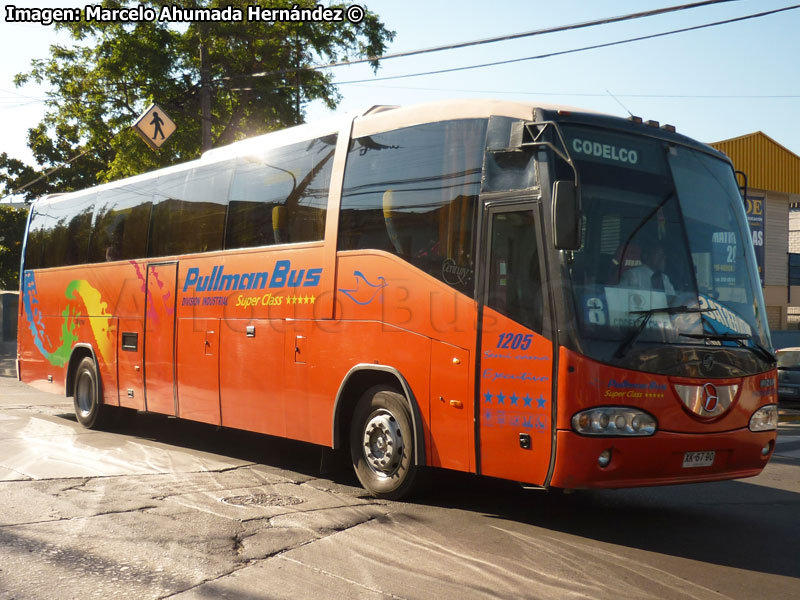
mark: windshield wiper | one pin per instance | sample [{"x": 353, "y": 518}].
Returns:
[
  {"x": 739, "y": 338},
  {"x": 629, "y": 340},
  {"x": 636, "y": 229}
]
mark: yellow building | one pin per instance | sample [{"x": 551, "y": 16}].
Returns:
[{"x": 773, "y": 179}]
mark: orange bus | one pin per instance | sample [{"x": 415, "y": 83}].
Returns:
[{"x": 560, "y": 298}]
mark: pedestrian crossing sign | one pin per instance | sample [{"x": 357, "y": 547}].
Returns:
[{"x": 155, "y": 126}]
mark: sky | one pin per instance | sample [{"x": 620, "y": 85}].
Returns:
[{"x": 712, "y": 84}]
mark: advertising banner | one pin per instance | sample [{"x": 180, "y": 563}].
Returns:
[{"x": 756, "y": 207}]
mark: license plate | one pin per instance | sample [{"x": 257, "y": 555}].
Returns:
[{"x": 698, "y": 459}]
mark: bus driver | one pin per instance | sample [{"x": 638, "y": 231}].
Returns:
[{"x": 650, "y": 274}]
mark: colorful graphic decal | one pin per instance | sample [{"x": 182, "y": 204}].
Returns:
[
  {"x": 100, "y": 322},
  {"x": 92, "y": 304},
  {"x": 365, "y": 295},
  {"x": 152, "y": 313}
]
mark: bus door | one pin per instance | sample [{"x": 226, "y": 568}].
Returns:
[
  {"x": 159, "y": 338},
  {"x": 515, "y": 360}
]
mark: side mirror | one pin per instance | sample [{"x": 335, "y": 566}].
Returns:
[{"x": 566, "y": 216}]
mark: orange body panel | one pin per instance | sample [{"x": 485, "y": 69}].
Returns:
[
  {"x": 198, "y": 370},
  {"x": 251, "y": 376},
  {"x": 515, "y": 399},
  {"x": 159, "y": 338},
  {"x": 129, "y": 364},
  {"x": 655, "y": 460},
  {"x": 451, "y": 408},
  {"x": 250, "y": 338}
]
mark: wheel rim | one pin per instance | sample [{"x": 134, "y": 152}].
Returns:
[
  {"x": 383, "y": 443},
  {"x": 84, "y": 393}
]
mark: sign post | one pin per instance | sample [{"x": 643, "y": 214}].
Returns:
[{"x": 155, "y": 126}]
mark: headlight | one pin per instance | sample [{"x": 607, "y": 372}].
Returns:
[
  {"x": 614, "y": 420},
  {"x": 765, "y": 418}
]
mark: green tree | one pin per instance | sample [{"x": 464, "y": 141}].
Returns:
[
  {"x": 12, "y": 230},
  {"x": 113, "y": 71}
]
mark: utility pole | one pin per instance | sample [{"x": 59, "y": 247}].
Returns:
[
  {"x": 205, "y": 99},
  {"x": 298, "y": 49}
]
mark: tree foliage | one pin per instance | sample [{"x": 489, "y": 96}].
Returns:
[
  {"x": 12, "y": 229},
  {"x": 112, "y": 71}
]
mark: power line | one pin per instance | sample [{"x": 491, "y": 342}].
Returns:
[
  {"x": 575, "y": 50},
  {"x": 502, "y": 38},
  {"x": 591, "y": 94},
  {"x": 557, "y": 29}
]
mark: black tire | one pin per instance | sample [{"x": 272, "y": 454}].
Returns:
[
  {"x": 89, "y": 409},
  {"x": 382, "y": 444}
]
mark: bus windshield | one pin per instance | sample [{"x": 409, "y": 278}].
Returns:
[{"x": 666, "y": 256}]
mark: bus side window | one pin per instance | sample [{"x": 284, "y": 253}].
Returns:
[
  {"x": 413, "y": 192},
  {"x": 66, "y": 231},
  {"x": 515, "y": 282},
  {"x": 121, "y": 221},
  {"x": 34, "y": 245},
  {"x": 281, "y": 195},
  {"x": 189, "y": 215}
]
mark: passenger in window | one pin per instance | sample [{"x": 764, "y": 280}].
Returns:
[
  {"x": 279, "y": 225},
  {"x": 391, "y": 222},
  {"x": 650, "y": 274},
  {"x": 113, "y": 249}
]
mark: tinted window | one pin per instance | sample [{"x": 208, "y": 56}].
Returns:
[
  {"x": 189, "y": 215},
  {"x": 121, "y": 221},
  {"x": 414, "y": 192},
  {"x": 66, "y": 230},
  {"x": 515, "y": 283},
  {"x": 281, "y": 196},
  {"x": 34, "y": 244}
]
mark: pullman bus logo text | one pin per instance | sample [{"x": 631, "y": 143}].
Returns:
[{"x": 282, "y": 276}]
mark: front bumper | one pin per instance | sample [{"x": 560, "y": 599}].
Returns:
[{"x": 657, "y": 460}]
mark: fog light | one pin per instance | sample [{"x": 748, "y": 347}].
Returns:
[
  {"x": 766, "y": 449},
  {"x": 604, "y": 458}
]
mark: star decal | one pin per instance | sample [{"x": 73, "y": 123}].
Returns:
[
  {"x": 527, "y": 400},
  {"x": 513, "y": 399},
  {"x": 541, "y": 401},
  {"x": 500, "y": 398},
  {"x": 488, "y": 397}
]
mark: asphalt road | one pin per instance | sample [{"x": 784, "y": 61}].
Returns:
[{"x": 171, "y": 509}]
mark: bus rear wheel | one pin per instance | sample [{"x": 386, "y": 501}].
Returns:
[
  {"x": 89, "y": 410},
  {"x": 382, "y": 444}
]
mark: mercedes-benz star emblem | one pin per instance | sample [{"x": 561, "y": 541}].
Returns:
[{"x": 710, "y": 398}]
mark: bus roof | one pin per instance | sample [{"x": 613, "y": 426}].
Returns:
[{"x": 369, "y": 120}]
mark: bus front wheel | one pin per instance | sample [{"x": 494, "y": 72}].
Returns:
[
  {"x": 382, "y": 444},
  {"x": 89, "y": 410}
]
